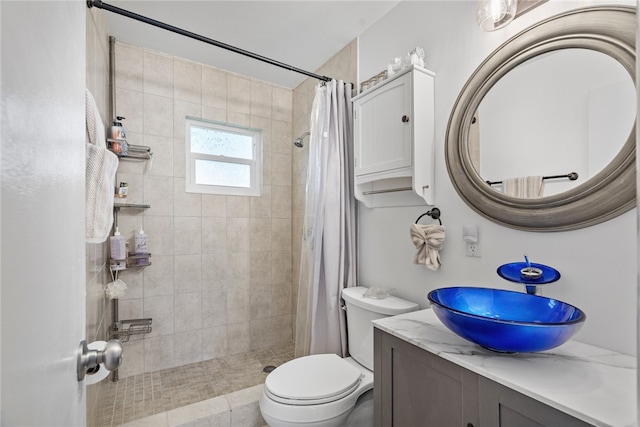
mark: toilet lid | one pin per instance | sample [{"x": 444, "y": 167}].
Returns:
[{"x": 314, "y": 379}]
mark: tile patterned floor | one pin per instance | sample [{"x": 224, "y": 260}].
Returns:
[{"x": 150, "y": 393}]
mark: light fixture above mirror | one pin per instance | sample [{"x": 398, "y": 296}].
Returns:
[{"x": 495, "y": 14}]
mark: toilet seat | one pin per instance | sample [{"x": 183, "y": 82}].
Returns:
[{"x": 312, "y": 380}]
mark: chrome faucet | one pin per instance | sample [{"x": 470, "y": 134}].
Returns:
[{"x": 530, "y": 273}]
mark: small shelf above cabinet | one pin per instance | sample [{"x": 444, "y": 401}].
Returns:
[{"x": 394, "y": 141}]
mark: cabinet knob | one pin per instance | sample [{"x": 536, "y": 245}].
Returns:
[
  {"x": 469, "y": 425},
  {"x": 405, "y": 119}
]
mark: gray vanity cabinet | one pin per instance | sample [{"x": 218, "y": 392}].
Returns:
[
  {"x": 501, "y": 406},
  {"x": 415, "y": 388}
]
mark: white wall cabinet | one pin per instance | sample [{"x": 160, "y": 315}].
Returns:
[{"x": 394, "y": 141}]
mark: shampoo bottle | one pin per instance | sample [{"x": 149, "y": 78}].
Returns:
[
  {"x": 118, "y": 250},
  {"x": 141, "y": 243},
  {"x": 119, "y": 137},
  {"x": 141, "y": 247}
]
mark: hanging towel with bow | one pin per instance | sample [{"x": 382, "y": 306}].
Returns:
[
  {"x": 100, "y": 175},
  {"x": 526, "y": 187},
  {"x": 428, "y": 240}
]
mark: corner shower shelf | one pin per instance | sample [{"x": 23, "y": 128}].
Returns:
[
  {"x": 136, "y": 152},
  {"x": 133, "y": 260},
  {"x": 138, "y": 260},
  {"x": 124, "y": 329},
  {"x": 118, "y": 206}
]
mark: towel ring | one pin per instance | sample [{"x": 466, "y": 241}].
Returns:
[{"x": 433, "y": 213}]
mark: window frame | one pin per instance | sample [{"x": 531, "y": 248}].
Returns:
[{"x": 255, "y": 164}]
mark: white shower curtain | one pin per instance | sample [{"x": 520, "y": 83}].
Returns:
[{"x": 328, "y": 256}]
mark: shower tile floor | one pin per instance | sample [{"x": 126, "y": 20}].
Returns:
[{"x": 141, "y": 395}]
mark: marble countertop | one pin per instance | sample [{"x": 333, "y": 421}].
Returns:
[{"x": 595, "y": 385}]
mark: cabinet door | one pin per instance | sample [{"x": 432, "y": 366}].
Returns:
[
  {"x": 383, "y": 128},
  {"x": 503, "y": 407},
  {"x": 415, "y": 388}
]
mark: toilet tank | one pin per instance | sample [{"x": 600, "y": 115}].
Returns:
[{"x": 361, "y": 312}]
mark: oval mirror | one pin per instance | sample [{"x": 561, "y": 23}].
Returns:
[
  {"x": 563, "y": 116},
  {"x": 555, "y": 102}
]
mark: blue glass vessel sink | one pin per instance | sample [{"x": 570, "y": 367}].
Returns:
[{"x": 506, "y": 321}]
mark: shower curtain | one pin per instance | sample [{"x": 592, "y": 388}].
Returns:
[{"x": 328, "y": 255}]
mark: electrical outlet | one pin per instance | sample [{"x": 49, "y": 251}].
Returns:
[{"x": 473, "y": 249}]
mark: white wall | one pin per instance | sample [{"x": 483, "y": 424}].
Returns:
[{"x": 598, "y": 264}]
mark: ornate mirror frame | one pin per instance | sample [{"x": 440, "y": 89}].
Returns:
[{"x": 608, "y": 29}]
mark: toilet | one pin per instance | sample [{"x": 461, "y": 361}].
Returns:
[{"x": 325, "y": 390}]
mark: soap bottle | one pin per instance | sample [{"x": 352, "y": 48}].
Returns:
[
  {"x": 119, "y": 137},
  {"x": 141, "y": 247},
  {"x": 118, "y": 250}
]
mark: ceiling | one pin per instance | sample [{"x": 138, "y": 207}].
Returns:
[{"x": 303, "y": 33}]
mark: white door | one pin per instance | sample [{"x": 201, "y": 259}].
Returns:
[{"x": 42, "y": 258}]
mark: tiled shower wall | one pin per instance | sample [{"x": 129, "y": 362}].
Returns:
[
  {"x": 97, "y": 268},
  {"x": 342, "y": 66},
  {"x": 220, "y": 279}
]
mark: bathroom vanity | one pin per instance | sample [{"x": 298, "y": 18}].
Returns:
[{"x": 426, "y": 375}]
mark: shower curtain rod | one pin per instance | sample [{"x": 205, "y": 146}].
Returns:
[{"x": 100, "y": 5}]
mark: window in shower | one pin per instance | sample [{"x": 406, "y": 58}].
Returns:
[{"x": 223, "y": 158}]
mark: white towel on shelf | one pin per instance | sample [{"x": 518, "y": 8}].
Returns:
[
  {"x": 100, "y": 176},
  {"x": 526, "y": 187},
  {"x": 428, "y": 240}
]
